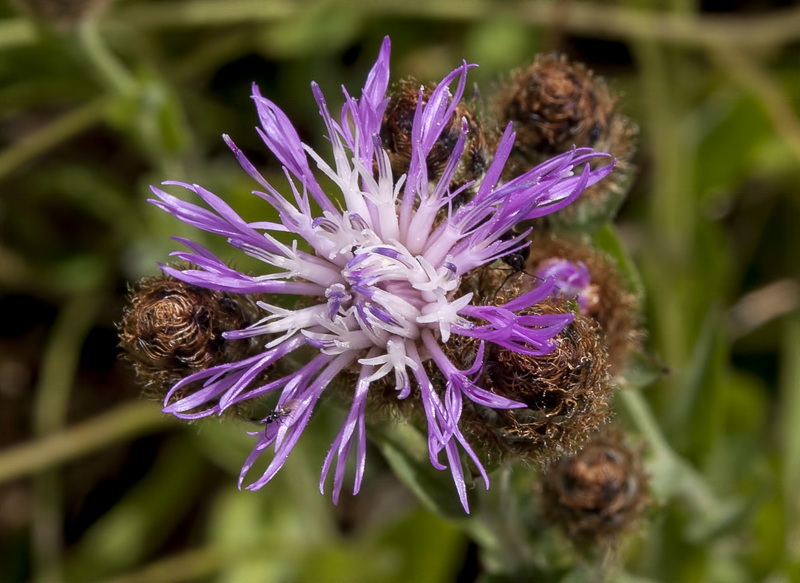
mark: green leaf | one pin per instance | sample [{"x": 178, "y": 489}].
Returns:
[
  {"x": 433, "y": 548},
  {"x": 153, "y": 117},
  {"x": 142, "y": 520},
  {"x": 607, "y": 239},
  {"x": 406, "y": 451},
  {"x": 695, "y": 415}
]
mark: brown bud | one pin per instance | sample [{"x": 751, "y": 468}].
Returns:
[
  {"x": 566, "y": 391},
  {"x": 597, "y": 493},
  {"x": 554, "y": 105},
  {"x": 396, "y": 136},
  {"x": 612, "y": 305},
  {"x": 171, "y": 329}
]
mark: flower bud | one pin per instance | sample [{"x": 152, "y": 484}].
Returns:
[
  {"x": 596, "y": 494},
  {"x": 565, "y": 392},
  {"x": 601, "y": 295},
  {"x": 171, "y": 329},
  {"x": 396, "y": 136},
  {"x": 555, "y": 105}
]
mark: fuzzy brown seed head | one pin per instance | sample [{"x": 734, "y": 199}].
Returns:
[
  {"x": 396, "y": 136},
  {"x": 171, "y": 329},
  {"x": 566, "y": 391},
  {"x": 597, "y": 493},
  {"x": 554, "y": 105},
  {"x": 610, "y": 303}
]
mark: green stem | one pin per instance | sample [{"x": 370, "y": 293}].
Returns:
[
  {"x": 675, "y": 475},
  {"x": 124, "y": 423},
  {"x": 754, "y": 78},
  {"x": 600, "y": 20},
  {"x": 497, "y": 529},
  {"x": 17, "y": 32},
  {"x": 790, "y": 420},
  {"x": 52, "y": 394},
  {"x": 51, "y": 135},
  {"x": 109, "y": 67},
  {"x": 60, "y": 363},
  {"x": 189, "y": 566},
  {"x": 597, "y": 20},
  {"x": 668, "y": 254},
  {"x": 210, "y": 13}
]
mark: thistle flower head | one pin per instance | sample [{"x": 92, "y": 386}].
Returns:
[{"x": 378, "y": 268}]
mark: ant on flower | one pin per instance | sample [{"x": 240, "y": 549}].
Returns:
[{"x": 279, "y": 413}]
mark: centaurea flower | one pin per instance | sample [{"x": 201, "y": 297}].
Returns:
[{"x": 383, "y": 261}]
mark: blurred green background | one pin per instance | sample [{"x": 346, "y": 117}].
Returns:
[{"x": 98, "y": 485}]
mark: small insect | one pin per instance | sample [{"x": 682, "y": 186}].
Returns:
[
  {"x": 280, "y": 412},
  {"x": 515, "y": 259}
]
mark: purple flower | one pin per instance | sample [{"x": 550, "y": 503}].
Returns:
[
  {"x": 572, "y": 280},
  {"x": 384, "y": 261}
]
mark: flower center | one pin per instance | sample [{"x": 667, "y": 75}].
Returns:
[
  {"x": 383, "y": 295},
  {"x": 383, "y": 300}
]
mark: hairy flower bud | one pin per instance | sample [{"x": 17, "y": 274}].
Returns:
[
  {"x": 597, "y": 493},
  {"x": 555, "y": 105},
  {"x": 605, "y": 299},
  {"x": 396, "y": 136},
  {"x": 171, "y": 329},
  {"x": 566, "y": 391}
]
